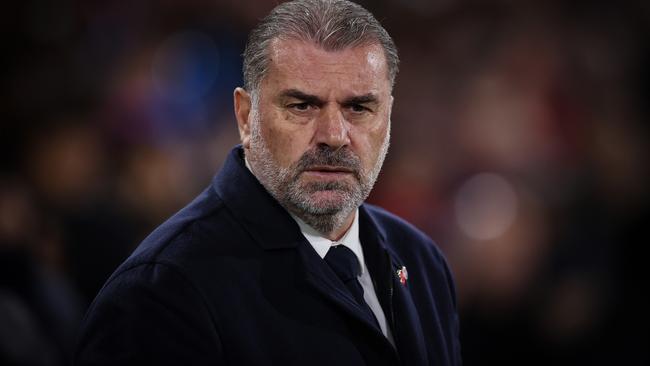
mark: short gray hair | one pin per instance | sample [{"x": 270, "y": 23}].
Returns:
[{"x": 331, "y": 24}]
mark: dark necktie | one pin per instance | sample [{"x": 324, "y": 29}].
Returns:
[{"x": 346, "y": 266}]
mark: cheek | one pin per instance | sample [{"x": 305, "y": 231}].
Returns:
[
  {"x": 368, "y": 142},
  {"x": 286, "y": 144},
  {"x": 277, "y": 143}
]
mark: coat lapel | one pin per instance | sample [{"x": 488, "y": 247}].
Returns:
[
  {"x": 395, "y": 297},
  {"x": 407, "y": 328},
  {"x": 322, "y": 279}
]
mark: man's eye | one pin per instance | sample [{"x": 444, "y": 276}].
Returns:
[
  {"x": 300, "y": 106},
  {"x": 358, "y": 108}
]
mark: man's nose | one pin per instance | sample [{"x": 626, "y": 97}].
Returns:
[{"x": 332, "y": 128}]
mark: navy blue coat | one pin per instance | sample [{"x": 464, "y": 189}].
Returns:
[{"x": 230, "y": 280}]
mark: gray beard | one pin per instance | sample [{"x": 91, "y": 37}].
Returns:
[{"x": 284, "y": 183}]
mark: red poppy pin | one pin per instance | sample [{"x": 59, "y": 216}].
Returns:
[{"x": 403, "y": 275}]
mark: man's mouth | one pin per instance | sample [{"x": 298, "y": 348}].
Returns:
[{"x": 328, "y": 172}]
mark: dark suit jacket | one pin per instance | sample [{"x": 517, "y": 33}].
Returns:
[{"x": 231, "y": 280}]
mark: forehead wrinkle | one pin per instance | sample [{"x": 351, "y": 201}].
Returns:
[
  {"x": 303, "y": 65},
  {"x": 374, "y": 56}
]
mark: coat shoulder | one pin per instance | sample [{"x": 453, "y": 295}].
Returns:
[
  {"x": 399, "y": 232},
  {"x": 203, "y": 230}
]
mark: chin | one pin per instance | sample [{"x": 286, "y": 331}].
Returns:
[{"x": 327, "y": 202}]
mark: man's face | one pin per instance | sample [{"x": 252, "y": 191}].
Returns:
[{"x": 320, "y": 128}]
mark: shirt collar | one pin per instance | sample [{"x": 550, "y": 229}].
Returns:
[{"x": 322, "y": 244}]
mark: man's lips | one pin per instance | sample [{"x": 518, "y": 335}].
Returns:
[
  {"x": 327, "y": 168},
  {"x": 324, "y": 171}
]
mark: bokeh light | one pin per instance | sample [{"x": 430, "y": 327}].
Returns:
[
  {"x": 185, "y": 66},
  {"x": 485, "y": 206}
]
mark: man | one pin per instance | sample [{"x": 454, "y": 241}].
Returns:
[{"x": 279, "y": 262}]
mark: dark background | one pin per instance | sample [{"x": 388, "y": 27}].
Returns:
[{"x": 520, "y": 144}]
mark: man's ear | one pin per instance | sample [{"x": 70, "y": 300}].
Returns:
[{"x": 243, "y": 103}]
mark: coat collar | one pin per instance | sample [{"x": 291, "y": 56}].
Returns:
[{"x": 245, "y": 197}]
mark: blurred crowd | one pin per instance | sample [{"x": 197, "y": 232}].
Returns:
[{"x": 519, "y": 144}]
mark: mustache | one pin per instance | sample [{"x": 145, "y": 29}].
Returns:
[{"x": 324, "y": 155}]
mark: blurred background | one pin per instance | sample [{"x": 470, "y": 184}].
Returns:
[{"x": 520, "y": 144}]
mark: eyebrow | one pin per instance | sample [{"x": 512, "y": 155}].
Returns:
[
  {"x": 315, "y": 100},
  {"x": 361, "y": 99},
  {"x": 308, "y": 98}
]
